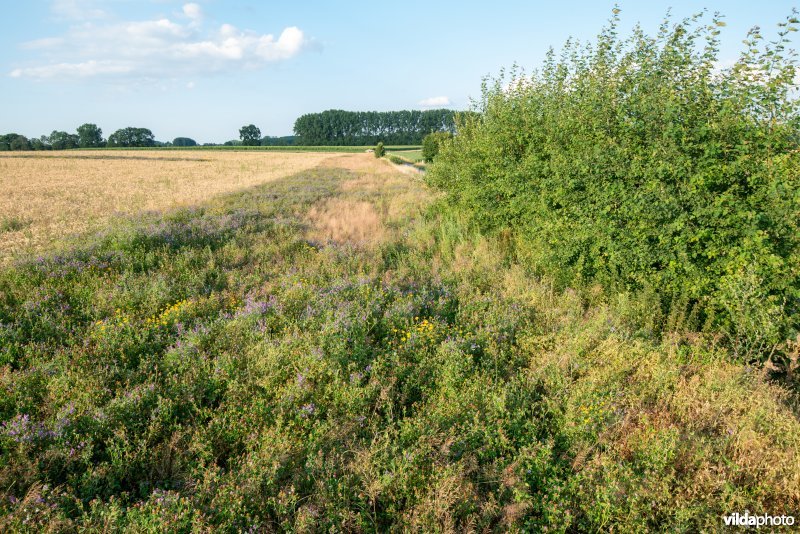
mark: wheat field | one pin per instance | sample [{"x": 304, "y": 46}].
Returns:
[{"x": 47, "y": 196}]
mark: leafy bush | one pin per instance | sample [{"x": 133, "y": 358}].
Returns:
[
  {"x": 637, "y": 164},
  {"x": 432, "y": 144},
  {"x": 380, "y": 150}
]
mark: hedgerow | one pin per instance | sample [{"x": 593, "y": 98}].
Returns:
[{"x": 639, "y": 164}]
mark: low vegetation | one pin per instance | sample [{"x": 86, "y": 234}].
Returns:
[
  {"x": 252, "y": 363},
  {"x": 405, "y": 155}
]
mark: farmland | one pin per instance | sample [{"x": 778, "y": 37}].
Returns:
[
  {"x": 330, "y": 346},
  {"x": 57, "y": 194}
]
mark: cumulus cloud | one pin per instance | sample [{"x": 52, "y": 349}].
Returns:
[
  {"x": 157, "y": 48},
  {"x": 434, "y": 101}
]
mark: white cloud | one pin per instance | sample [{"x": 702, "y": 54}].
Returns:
[
  {"x": 77, "y": 9},
  {"x": 73, "y": 70},
  {"x": 434, "y": 101},
  {"x": 192, "y": 11},
  {"x": 156, "y": 48},
  {"x": 39, "y": 44}
]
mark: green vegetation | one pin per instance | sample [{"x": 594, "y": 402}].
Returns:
[
  {"x": 286, "y": 140},
  {"x": 273, "y": 148},
  {"x": 212, "y": 369},
  {"x": 338, "y": 127},
  {"x": 13, "y": 224},
  {"x": 90, "y": 136},
  {"x": 63, "y": 140},
  {"x": 329, "y": 128},
  {"x": 131, "y": 137},
  {"x": 380, "y": 150},
  {"x": 408, "y": 156},
  {"x": 635, "y": 164},
  {"x": 432, "y": 144},
  {"x": 250, "y": 135},
  {"x": 183, "y": 142},
  {"x": 13, "y": 141}
]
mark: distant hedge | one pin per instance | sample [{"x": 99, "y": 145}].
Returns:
[
  {"x": 348, "y": 128},
  {"x": 635, "y": 163}
]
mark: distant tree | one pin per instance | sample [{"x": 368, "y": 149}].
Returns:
[
  {"x": 63, "y": 140},
  {"x": 20, "y": 142},
  {"x": 184, "y": 141},
  {"x": 38, "y": 144},
  {"x": 380, "y": 151},
  {"x": 431, "y": 144},
  {"x": 11, "y": 142},
  {"x": 132, "y": 137},
  {"x": 250, "y": 135},
  {"x": 90, "y": 136},
  {"x": 232, "y": 142}
]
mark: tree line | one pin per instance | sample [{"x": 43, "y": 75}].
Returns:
[
  {"x": 87, "y": 136},
  {"x": 332, "y": 127},
  {"x": 355, "y": 128}
]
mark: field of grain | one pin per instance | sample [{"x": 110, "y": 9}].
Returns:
[{"x": 47, "y": 196}]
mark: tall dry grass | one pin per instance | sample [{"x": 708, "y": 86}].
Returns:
[{"x": 371, "y": 206}]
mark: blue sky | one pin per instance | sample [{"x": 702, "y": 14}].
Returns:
[{"x": 202, "y": 69}]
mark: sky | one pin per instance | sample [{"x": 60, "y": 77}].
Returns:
[{"x": 203, "y": 69}]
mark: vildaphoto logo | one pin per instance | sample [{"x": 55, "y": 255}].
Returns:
[{"x": 758, "y": 521}]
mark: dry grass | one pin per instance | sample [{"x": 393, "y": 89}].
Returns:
[
  {"x": 47, "y": 196},
  {"x": 344, "y": 220},
  {"x": 398, "y": 197},
  {"x": 371, "y": 205}
]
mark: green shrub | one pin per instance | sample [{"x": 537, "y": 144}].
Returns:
[
  {"x": 380, "y": 151},
  {"x": 432, "y": 143},
  {"x": 637, "y": 164}
]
